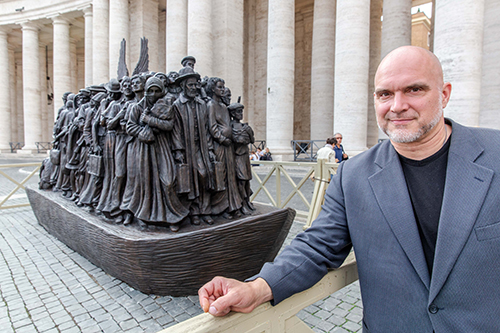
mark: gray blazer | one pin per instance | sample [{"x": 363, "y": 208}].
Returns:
[{"x": 367, "y": 206}]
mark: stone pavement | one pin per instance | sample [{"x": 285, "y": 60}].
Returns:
[{"x": 47, "y": 287}]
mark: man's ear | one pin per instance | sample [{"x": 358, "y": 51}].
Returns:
[{"x": 446, "y": 93}]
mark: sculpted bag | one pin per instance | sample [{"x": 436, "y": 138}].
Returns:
[
  {"x": 219, "y": 176},
  {"x": 96, "y": 166},
  {"x": 183, "y": 178},
  {"x": 55, "y": 156}
]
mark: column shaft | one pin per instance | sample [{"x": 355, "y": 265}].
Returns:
[
  {"x": 176, "y": 33},
  {"x": 44, "y": 107},
  {"x": 396, "y": 28},
  {"x": 323, "y": 69},
  {"x": 200, "y": 37},
  {"x": 88, "y": 45},
  {"x": 73, "y": 66},
  {"x": 61, "y": 61},
  {"x": 5, "y": 109},
  {"x": 280, "y": 75},
  {"x": 13, "y": 95},
  {"x": 458, "y": 43},
  {"x": 228, "y": 44},
  {"x": 490, "y": 81},
  {"x": 31, "y": 88},
  {"x": 118, "y": 29},
  {"x": 352, "y": 58},
  {"x": 373, "y": 133},
  {"x": 100, "y": 44},
  {"x": 19, "y": 121}
]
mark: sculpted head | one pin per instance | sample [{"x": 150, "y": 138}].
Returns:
[{"x": 410, "y": 94}]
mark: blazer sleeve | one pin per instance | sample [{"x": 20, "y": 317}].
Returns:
[{"x": 323, "y": 246}]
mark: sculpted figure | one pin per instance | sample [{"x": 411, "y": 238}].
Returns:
[
  {"x": 57, "y": 129},
  {"x": 227, "y": 198},
  {"x": 192, "y": 145},
  {"x": 150, "y": 193},
  {"x": 115, "y": 105},
  {"x": 90, "y": 196},
  {"x": 188, "y": 61},
  {"x": 242, "y": 136},
  {"x": 76, "y": 146},
  {"x": 64, "y": 123},
  {"x": 173, "y": 89}
]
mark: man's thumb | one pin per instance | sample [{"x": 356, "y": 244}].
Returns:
[{"x": 220, "y": 307}]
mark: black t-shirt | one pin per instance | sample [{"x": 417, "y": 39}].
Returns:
[{"x": 425, "y": 180}]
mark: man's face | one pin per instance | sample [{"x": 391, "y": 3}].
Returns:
[
  {"x": 127, "y": 87},
  {"x": 137, "y": 85},
  {"x": 409, "y": 96},
  {"x": 153, "y": 94},
  {"x": 338, "y": 137},
  {"x": 190, "y": 87}
]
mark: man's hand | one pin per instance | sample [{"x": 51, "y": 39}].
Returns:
[{"x": 222, "y": 295}]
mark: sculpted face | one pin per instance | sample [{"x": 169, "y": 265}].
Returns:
[
  {"x": 219, "y": 89},
  {"x": 127, "y": 87},
  {"x": 153, "y": 94},
  {"x": 238, "y": 114},
  {"x": 189, "y": 63},
  {"x": 137, "y": 85},
  {"x": 410, "y": 94},
  {"x": 190, "y": 87}
]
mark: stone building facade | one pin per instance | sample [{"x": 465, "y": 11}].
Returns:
[{"x": 304, "y": 68}]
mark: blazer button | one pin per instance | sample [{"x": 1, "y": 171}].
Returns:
[{"x": 433, "y": 308}]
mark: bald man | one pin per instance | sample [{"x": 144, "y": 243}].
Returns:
[{"x": 421, "y": 211}]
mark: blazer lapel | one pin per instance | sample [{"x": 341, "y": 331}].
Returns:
[
  {"x": 391, "y": 192},
  {"x": 465, "y": 189}
]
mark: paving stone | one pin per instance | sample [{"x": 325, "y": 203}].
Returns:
[
  {"x": 354, "y": 317},
  {"x": 312, "y": 309},
  {"x": 128, "y": 324},
  {"x": 339, "y": 330},
  {"x": 165, "y": 320},
  {"x": 336, "y": 320},
  {"x": 351, "y": 326}
]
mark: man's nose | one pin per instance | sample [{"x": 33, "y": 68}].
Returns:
[{"x": 399, "y": 102}]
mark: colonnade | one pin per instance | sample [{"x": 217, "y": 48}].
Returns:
[{"x": 252, "y": 45}]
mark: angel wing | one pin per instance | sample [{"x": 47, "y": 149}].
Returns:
[
  {"x": 143, "y": 63},
  {"x": 122, "y": 65}
]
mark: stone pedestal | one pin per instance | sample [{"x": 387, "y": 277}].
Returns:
[{"x": 158, "y": 261}]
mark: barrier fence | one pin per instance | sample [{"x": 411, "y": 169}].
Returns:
[{"x": 18, "y": 185}]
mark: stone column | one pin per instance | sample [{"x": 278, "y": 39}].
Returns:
[
  {"x": 73, "y": 66},
  {"x": 118, "y": 29},
  {"x": 373, "y": 133},
  {"x": 19, "y": 119},
  {"x": 352, "y": 59},
  {"x": 5, "y": 109},
  {"x": 322, "y": 70},
  {"x": 396, "y": 28},
  {"x": 176, "y": 33},
  {"x": 87, "y": 13},
  {"x": 31, "y": 88},
  {"x": 200, "y": 37},
  {"x": 162, "y": 40},
  {"x": 280, "y": 76},
  {"x": 490, "y": 80},
  {"x": 13, "y": 94},
  {"x": 458, "y": 43},
  {"x": 228, "y": 44},
  {"x": 61, "y": 61},
  {"x": 100, "y": 43},
  {"x": 44, "y": 108}
]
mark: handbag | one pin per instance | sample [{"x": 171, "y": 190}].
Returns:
[
  {"x": 219, "y": 173},
  {"x": 55, "y": 156},
  {"x": 95, "y": 166},
  {"x": 183, "y": 179}
]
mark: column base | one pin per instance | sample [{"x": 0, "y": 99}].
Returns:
[
  {"x": 281, "y": 155},
  {"x": 5, "y": 151}
]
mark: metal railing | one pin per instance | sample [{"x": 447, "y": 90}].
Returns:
[
  {"x": 19, "y": 185},
  {"x": 42, "y": 147},
  {"x": 257, "y": 144},
  {"x": 306, "y": 150},
  {"x": 15, "y": 146}
]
